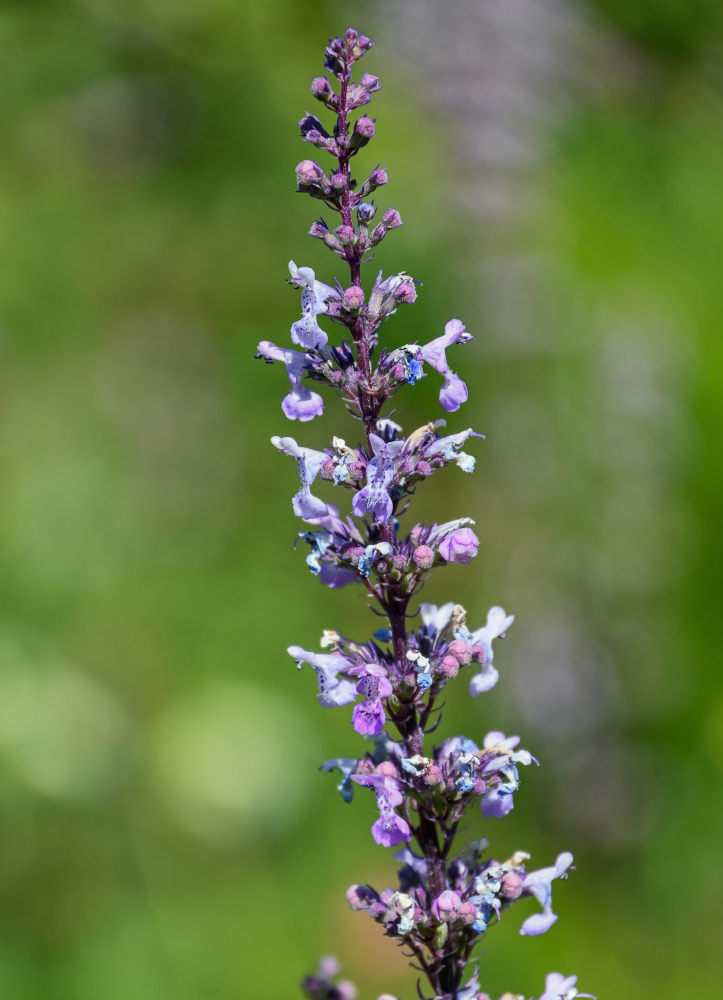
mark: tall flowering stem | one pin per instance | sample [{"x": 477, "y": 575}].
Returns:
[{"x": 447, "y": 897}]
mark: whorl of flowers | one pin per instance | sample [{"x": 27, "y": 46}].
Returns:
[{"x": 447, "y": 899}]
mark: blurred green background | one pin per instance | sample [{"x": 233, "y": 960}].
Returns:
[{"x": 163, "y": 829}]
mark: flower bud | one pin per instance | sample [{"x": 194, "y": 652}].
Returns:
[
  {"x": 460, "y": 546},
  {"x": 423, "y": 556},
  {"x": 370, "y": 83},
  {"x": 512, "y": 885},
  {"x": 400, "y": 561},
  {"x": 337, "y": 181},
  {"x": 468, "y": 912},
  {"x": 353, "y": 298},
  {"x": 363, "y": 131},
  {"x": 387, "y": 769},
  {"x": 406, "y": 293},
  {"x": 346, "y": 990},
  {"x": 461, "y": 651},
  {"x": 448, "y": 666},
  {"x": 365, "y": 212},
  {"x": 447, "y": 906},
  {"x": 322, "y": 91},
  {"x": 424, "y": 468},
  {"x": 392, "y": 219},
  {"x": 345, "y": 233}
]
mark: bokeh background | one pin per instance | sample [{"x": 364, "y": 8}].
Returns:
[{"x": 163, "y": 829}]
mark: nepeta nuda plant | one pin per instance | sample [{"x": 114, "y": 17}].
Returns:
[{"x": 448, "y": 896}]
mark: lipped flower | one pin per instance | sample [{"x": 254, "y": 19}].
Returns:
[
  {"x": 373, "y": 498},
  {"x": 301, "y": 403},
  {"x": 497, "y": 800},
  {"x": 497, "y": 624},
  {"x": 454, "y": 391},
  {"x": 335, "y": 688},
  {"x": 309, "y": 462},
  {"x": 368, "y": 717},
  {"x": 314, "y": 297},
  {"x": 390, "y": 829},
  {"x": 539, "y": 885},
  {"x": 559, "y": 987}
]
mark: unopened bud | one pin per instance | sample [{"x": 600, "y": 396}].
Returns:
[
  {"x": 353, "y": 298},
  {"x": 365, "y": 212},
  {"x": 392, "y": 218},
  {"x": 363, "y": 131},
  {"x": 406, "y": 293},
  {"x": 461, "y": 651},
  {"x": 423, "y": 556}
]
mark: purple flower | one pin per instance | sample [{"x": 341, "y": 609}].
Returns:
[
  {"x": 301, "y": 403},
  {"x": 539, "y": 884},
  {"x": 314, "y": 295},
  {"x": 454, "y": 391},
  {"x": 495, "y": 803},
  {"x": 373, "y": 498},
  {"x": 309, "y": 462},
  {"x": 390, "y": 829},
  {"x": 333, "y": 690},
  {"x": 557, "y": 987},
  {"x": 459, "y": 547},
  {"x": 449, "y": 449},
  {"x": 497, "y": 624},
  {"x": 368, "y": 717}
]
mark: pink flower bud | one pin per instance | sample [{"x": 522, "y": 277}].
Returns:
[
  {"x": 423, "y": 556},
  {"x": 392, "y": 219},
  {"x": 468, "y": 913},
  {"x": 387, "y": 769},
  {"x": 448, "y": 666},
  {"x": 400, "y": 561},
  {"x": 345, "y": 233},
  {"x": 424, "y": 468},
  {"x": 406, "y": 293},
  {"x": 337, "y": 181},
  {"x": 378, "y": 177},
  {"x": 447, "y": 906},
  {"x": 308, "y": 172},
  {"x": 461, "y": 651},
  {"x": 364, "y": 127},
  {"x": 353, "y": 298},
  {"x": 512, "y": 885}
]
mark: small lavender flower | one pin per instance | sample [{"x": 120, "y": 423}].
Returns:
[{"x": 447, "y": 897}]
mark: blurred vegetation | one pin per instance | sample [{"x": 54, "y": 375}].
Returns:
[{"x": 163, "y": 830}]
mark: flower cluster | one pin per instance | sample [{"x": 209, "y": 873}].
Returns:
[{"x": 390, "y": 684}]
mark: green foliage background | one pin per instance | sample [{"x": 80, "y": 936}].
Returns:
[{"x": 163, "y": 830}]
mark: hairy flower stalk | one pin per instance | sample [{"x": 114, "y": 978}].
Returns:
[{"x": 447, "y": 898}]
